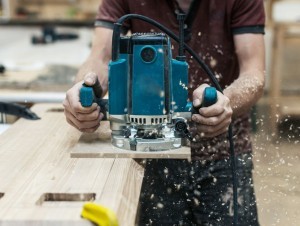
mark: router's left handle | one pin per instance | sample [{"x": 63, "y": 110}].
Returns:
[
  {"x": 86, "y": 96},
  {"x": 90, "y": 94}
]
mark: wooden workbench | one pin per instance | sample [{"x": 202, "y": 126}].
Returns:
[{"x": 40, "y": 184}]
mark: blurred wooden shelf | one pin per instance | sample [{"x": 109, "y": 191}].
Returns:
[
  {"x": 281, "y": 103},
  {"x": 43, "y": 22},
  {"x": 290, "y": 105},
  {"x": 48, "y": 12}
]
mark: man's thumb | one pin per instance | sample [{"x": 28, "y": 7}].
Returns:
[{"x": 90, "y": 79}]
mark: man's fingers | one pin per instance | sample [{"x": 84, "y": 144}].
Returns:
[
  {"x": 210, "y": 121},
  {"x": 91, "y": 116},
  {"x": 211, "y": 111},
  {"x": 213, "y": 128},
  {"x": 82, "y": 124},
  {"x": 212, "y": 115},
  {"x": 85, "y": 119},
  {"x": 88, "y": 130},
  {"x": 75, "y": 106},
  {"x": 84, "y": 110},
  {"x": 198, "y": 94},
  {"x": 221, "y": 107}
]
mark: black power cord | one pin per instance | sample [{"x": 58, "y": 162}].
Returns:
[{"x": 115, "y": 56}]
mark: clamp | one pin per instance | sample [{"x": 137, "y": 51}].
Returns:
[{"x": 98, "y": 214}]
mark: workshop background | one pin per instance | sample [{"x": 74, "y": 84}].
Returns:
[{"x": 43, "y": 43}]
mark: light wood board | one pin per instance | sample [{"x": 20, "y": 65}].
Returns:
[
  {"x": 35, "y": 164},
  {"x": 98, "y": 145}
]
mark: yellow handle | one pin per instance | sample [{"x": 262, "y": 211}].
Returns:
[{"x": 99, "y": 215}]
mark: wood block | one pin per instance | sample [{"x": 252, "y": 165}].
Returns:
[{"x": 98, "y": 145}]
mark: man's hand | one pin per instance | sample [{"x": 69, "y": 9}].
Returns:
[
  {"x": 215, "y": 119},
  {"x": 85, "y": 119}
]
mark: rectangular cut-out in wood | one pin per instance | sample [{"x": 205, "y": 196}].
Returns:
[
  {"x": 66, "y": 197},
  {"x": 98, "y": 145}
]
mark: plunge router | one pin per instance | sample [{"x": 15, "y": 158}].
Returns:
[
  {"x": 148, "y": 105},
  {"x": 148, "y": 99}
]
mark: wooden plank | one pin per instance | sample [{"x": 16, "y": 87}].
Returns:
[
  {"x": 27, "y": 96},
  {"x": 98, "y": 145},
  {"x": 35, "y": 163}
]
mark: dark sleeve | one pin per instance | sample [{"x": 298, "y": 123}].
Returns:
[
  {"x": 110, "y": 11},
  {"x": 248, "y": 16}
]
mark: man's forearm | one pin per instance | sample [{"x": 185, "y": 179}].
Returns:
[
  {"x": 100, "y": 55},
  {"x": 245, "y": 91}
]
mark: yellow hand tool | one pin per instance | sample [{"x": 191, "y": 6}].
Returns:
[{"x": 100, "y": 215}]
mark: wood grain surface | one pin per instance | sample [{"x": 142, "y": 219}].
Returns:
[{"x": 41, "y": 185}]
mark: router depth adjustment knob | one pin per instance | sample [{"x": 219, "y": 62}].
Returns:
[{"x": 182, "y": 128}]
